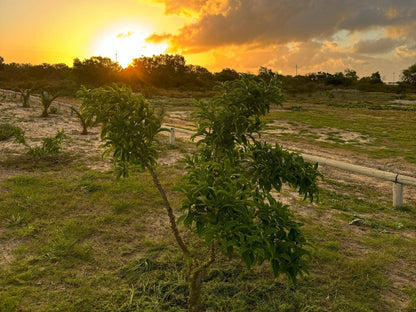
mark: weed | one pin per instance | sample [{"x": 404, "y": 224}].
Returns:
[
  {"x": 53, "y": 110},
  {"x": 7, "y": 131},
  {"x": 50, "y": 145},
  {"x": 65, "y": 243},
  {"x": 121, "y": 206},
  {"x": 15, "y": 220},
  {"x": 26, "y": 230},
  {"x": 89, "y": 187},
  {"x": 24, "y": 180},
  {"x": 294, "y": 108}
]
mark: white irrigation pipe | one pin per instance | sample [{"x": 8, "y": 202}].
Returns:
[{"x": 398, "y": 179}]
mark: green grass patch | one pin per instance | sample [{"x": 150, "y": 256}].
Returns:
[
  {"x": 388, "y": 136},
  {"x": 99, "y": 222}
]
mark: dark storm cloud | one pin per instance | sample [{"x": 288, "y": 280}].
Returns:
[
  {"x": 280, "y": 21},
  {"x": 383, "y": 45}
]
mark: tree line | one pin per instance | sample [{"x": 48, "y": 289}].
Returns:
[{"x": 171, "y": 72}]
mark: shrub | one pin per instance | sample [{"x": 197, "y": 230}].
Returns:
[
  {"x": 50, "y": 145},
  {"x": 7, "y": 131},
  {"x": 53, "y": 110}
]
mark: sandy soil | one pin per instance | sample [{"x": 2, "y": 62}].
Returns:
[{"x": 36, "y": 128}]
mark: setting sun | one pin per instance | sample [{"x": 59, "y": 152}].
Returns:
[{"x": 123, "y": 44}]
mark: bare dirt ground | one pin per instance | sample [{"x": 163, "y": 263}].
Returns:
[{"x": 36, "y": 128}]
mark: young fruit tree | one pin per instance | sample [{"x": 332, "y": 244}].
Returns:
[
  {"x": 228, "y": 200},
  {"x": 85, "y": 123},
  {"x": 51, "y": 146},
  {"x": 227, "y": 188},
  {"x": 46, "y": 99},
  {"x": 25, "y": 93}
]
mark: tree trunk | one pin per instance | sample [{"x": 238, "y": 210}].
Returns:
[
  {"x": 45, "y": 112},
  {"x": 84, "y": 130},
  {"x": 171, "y": 216},
  {"x": 195, "y": 286}
]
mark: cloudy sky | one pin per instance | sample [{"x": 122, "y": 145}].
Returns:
[{"x": 314, "y": 35}]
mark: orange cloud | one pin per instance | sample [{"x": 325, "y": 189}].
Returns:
[
  {"x": 406, "y": 52},
  {"x": 233, "y": 22},
  {"x": 399, "y": 31},
  {"x": 193, "y": 7},
  {"x": 280, "y": 34}
]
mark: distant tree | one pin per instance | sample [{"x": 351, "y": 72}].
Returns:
[
  {"x": 226, "y": 74},
  {"x": 1, "y": 62},
  {"x": 335, "y": 79},
  {"x": 200, "y": 72},
  {"x": 166, "y": 71},
  {"x": 351, "y": 77},
  {"x": 351, "y": 74},
  {"x": 96, "y": 71},
  {"x": 318, "y": 77},
  {"x": 409, "y": 75},
  {"x": 175, "y": 63},
  {"x": 265, "y": 73},
  {"x": 347, "y": 78},
  {"x": 55, "y": 78},
  {"x": 137, "y": 74},
  {"x": 375, "y": 78}
]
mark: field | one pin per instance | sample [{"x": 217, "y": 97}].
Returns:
[{"x": 73, "y": 238}]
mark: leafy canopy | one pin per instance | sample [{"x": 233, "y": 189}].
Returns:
[
  {"x": 228, "y": 200},
  {"x": 129, "y": 125}
]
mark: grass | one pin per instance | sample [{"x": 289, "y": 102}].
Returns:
[
  {"x": 387, "y": 137},
  {"x": 77, "y": 239},
  {"x": 62, "y": 227}
]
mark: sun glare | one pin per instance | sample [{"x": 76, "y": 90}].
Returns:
[{"x": 123, "y": 44}]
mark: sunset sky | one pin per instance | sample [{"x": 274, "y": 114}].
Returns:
[{"x": 315, "y": 35}]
